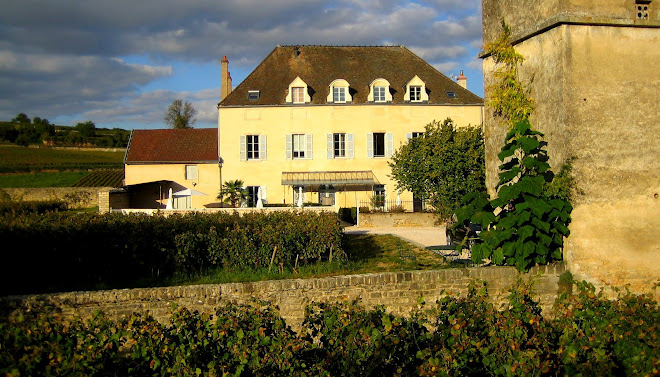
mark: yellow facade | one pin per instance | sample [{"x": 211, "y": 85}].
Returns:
[
  {"x": 277, "y": 123},
  {"x": 173, "y": 175}
]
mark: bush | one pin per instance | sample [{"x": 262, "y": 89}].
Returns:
[{"x": 15, "y": 208}]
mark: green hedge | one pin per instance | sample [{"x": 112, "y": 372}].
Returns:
[
  {"x": 69, "y": 251},
  {"x": 590, "y": 336},
  {"x": 13, "y": 208}
]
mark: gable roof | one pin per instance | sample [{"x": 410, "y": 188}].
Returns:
[
  {"x": 173, "y": 146},
  {"x": 319, "y": 66}
]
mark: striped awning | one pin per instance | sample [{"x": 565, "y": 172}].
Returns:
[{"x": 329, "y": 178}]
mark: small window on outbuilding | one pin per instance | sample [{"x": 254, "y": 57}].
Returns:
[
  {"x": 642, "y": 9},
  {"x": 191, "y": 172},
  {"x": 253, "y": 95}
]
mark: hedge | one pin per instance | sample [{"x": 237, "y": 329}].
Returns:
[{"x": 69, "y": 251}]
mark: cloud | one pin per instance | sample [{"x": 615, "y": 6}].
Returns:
[{"x": 64, "y": 58}]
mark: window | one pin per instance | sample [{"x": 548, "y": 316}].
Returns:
[
  {"x": 415, "y": 93},
  {"x": 299, "y": 146},
  {"x": 252, "y": 193},
  {"x": 378, "y": 200},
  {"x": 191, "y": 172},
  {"x": 253, "y": 95},
  {"x": 379, "y": 94},
  {"x": 338, "y": 94},
  {"x": 339, "y": 145},
  {"x": 379, "y": 144},
  {"x": 417, "y": 134},
  {"x": 451, "y": 94},
  {"x": 642, "y": 9},
  {"x": 298, "y": 95},
  {"x": 252, "y": 147}
]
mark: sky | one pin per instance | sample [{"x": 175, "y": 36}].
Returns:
[{"x": 121, "y": 63}]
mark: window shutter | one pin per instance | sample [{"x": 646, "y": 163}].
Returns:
[
  {"x": 331, "y": 146},
  {"x": 264, "y": 194},
  {"x": 370, "y": 145},
  {"x": 243, "y": 149},
  {"x": 262, "y": 147},
  {"x": 409, "y": 135},
  {"x": 289, "y": 146},
  {"x": 349, "y": 146},
  {"x": 389, "y": 151},
  {"x": 310, "y": 146}
]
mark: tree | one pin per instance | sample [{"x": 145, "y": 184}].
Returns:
[
  {"x": 527, "y": 222},
  {"x": 21, "y": 118},
  {"x": 442, "y": 165},
  {"x": 86, "y": 129},
  {"x": 233, "y": 193},
  {"x": 180, "y": 114}
]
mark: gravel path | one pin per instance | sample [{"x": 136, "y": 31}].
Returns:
[{"x": 423, "y": 237}]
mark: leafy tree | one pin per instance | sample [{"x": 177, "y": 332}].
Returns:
[
  {"x": 442, "y": 165},
  {"x": 180, "y": 114},
  {"x": 22, "y": 119},
  {"x": 43, "y": 127},
  {"x": 526, "y": 224},
  {"x": 86, "y": 129},
  {"x": 233, "y": 193}
]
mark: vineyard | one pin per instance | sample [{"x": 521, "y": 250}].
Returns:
[
  {"x": 19, "y": 159},
  {"x": 102, "y": 178},
  {"x": 588, "y": 335}
]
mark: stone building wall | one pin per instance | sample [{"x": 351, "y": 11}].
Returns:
[
  {"x": 592, "y": 69},
  {"x": 397, "y": 291}
]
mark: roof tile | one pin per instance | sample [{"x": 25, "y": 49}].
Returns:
[{"x": 173, "y": 145}]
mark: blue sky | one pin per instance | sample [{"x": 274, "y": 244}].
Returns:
[{"x": 121, "y": 63}]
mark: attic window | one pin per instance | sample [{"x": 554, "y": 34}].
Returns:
[
  {"x": 298, "y": 92},
  {"x": 379, "y": 91},
  {"x": 416, "y": 91},
  {"x": 451, "y": 94},
  {"x": 642, "y": 8},
  {"x": 339, "y": 92},
  {"x": 253, "y": 95}
]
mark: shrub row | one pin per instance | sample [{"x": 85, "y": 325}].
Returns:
[
  {"x": 68, "y": 251},
  {"x": 590, "y": 336},
  {"x": 14, "y": 208}
]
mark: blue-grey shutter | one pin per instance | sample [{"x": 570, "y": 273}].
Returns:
[
  {"x": 389, "y": 151},
  {"x": 243, "y": 150},
  {"x": 309, "y": 148},
  {"x": 350, "y": 146},
  {"x": 409, "y": 135},
  {"x": 264, "y": 194},
  {"x": 331, "y": 146},
  {"x": 262, "y": 147},
  {"x": 370, "y": 145},
  {"x": 289, "y": 146}
]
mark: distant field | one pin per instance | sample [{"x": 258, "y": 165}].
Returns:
[
  {"x": 37, "y": 180},
  {"x": 19, "y": 159}
]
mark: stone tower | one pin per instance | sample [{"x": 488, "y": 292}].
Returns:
[{"x": 594, "y": 68}]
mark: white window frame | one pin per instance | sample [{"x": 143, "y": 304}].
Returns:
[
  {"x": 379, "y": 84},
  {"x": 253, "y": 147},
  {"x": 379, "y": 94},
  {"x": 348, "y": 145},
  {"x": 298, "y": 93},
  {"x": 339, "y": 92},
  {"x": 416, "y": 91},
  {"x": 303, "y": 147},
  {"x": 299, "y": 145},
  {"x": 339, "y": 145},
  {"x": 191, "y": 172}
]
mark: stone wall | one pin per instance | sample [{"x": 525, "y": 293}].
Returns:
[
  {"x": 397, "y": 291},
  {"x": 88, "y": 194},
  {"x": 592, "y": 71},
  {"x": 394, "y": 220}
]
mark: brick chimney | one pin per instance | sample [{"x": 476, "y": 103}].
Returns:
[
  {"x": 225, "y": 79},
  {"x": 462, "y": 80}
]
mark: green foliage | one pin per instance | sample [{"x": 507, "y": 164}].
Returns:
[
  {"x": 43, "y": 179},
  {"x": 508, "y": 97},
  {"x": 86, "y": 129},
  {"x": 233, "y": 193},
  {"x": 180, "y": 114},
  {"x": 14, "y": 208},
  {"x": 13, "y": 160},
  {"x": 442, "y": 166},
  {"x": 68, "y": 251},
  {"x": 457, "y": 336}
]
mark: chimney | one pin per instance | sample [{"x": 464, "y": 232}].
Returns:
[
  {"x": 225, "y": 79},
  {"x": 462, "y": 80}
]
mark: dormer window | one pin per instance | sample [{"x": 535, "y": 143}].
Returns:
[
  {"x": 379, "y": 91},
  {"x": 451, "y": 94},
  {"x": 416, "y": 91},
  {"x": 339, "y": 92},
  {"x": 253, "y": 95},
  {"x": 298, "y": 92}
]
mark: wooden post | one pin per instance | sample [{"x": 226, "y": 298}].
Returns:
[{"x": 272, "y": 258}]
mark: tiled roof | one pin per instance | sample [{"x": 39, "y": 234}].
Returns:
[
  {"x": 173, "y": 145},
  {"x": 319, "y": 66}
]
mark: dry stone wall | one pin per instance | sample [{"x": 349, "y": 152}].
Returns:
[{"x": 397, "y": 291}]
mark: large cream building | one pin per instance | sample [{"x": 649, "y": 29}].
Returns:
[{"x": 324, "y": 121}]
